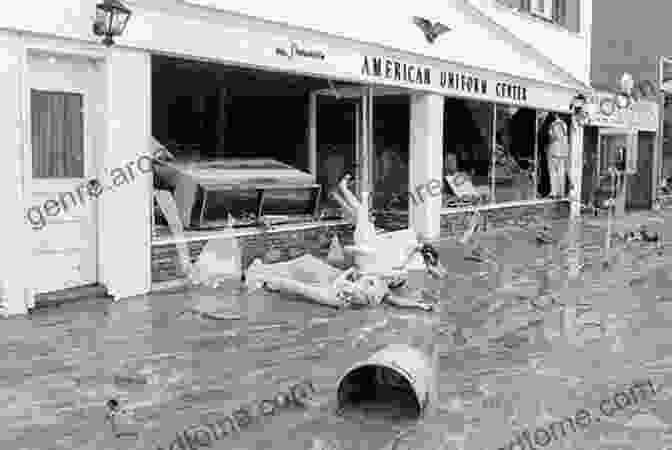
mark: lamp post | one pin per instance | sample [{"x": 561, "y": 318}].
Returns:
[
  {"x": 624, "y": 97},
  {"x": 111, "y": 19}
]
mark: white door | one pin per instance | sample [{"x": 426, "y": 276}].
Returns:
[{"x": 64, "y": 99}]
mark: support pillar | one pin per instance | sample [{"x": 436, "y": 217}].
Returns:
[
  {"x": 426, "y": 164},
  {"x": 575, "y": 169},
  {"x": 16, "y": 272}
]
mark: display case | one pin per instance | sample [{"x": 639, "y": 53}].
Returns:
[{"x": 239, "y": 192}]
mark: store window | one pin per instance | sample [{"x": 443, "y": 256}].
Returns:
[
  {"x": 238, "y": 145},
  {"x": 515, "y": 157},
  {"x": 390, "y": 149},
  {"x": 57, "y": 133},
  {"x": 666, "y": 163},
  {"x": 337, "y": 129},
  {"x": 553, "y": 156},
  {"x": 565, "y": 13},
  {"x": 467, "y": 161},
  {"x": 496, "y": 154}
]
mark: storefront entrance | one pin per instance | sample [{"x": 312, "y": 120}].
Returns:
[
  {"x": 629, "y": 152},
  {"x": 640, "y": 184},
  {"x": 339, "y": 134},
  {"x": 65, "y": 99},
  {"x": 364, "y": 131}
]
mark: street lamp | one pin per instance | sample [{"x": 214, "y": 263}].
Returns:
[
  {"x": 624, "y": 98},
  {"x": 627, "y": 84},
  {"x": 111, "y": 19}
]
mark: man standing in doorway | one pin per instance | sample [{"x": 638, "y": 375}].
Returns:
[{"x": 557, "y": 153}]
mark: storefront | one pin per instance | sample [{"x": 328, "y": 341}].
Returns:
[
  {"x": 312, "y": 105},
  {"x": 493, "y": 158},
  {"x": 622, "y": 139}
]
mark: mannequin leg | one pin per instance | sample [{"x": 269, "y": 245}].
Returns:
[
  {"x": 347, "y": 195},
  {"x": 553, "y": 175},
  {"x": 562, "y": 177},
  {"x": 351, "y": 214}
]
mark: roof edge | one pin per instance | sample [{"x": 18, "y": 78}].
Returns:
[{"x": 538, "y": 53}]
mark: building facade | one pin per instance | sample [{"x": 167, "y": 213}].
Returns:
[
  {"x": 626, "y": 39},
  {"x": 325, "y": 89}
]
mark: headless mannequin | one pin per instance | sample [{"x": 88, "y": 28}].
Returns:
[{"x": 557, "y": 152}]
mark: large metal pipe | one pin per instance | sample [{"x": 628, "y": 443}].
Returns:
[{"x": 402, "y": 375}]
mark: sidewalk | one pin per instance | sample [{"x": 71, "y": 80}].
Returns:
[{"x": 633, "y": 220}]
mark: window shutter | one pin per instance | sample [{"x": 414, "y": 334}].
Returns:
[
  {"x": 542, "y": 8},
  {"x": 560, "y": 11},
  {"x": 512, "y": 3}
]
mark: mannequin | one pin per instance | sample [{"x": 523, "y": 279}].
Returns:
[{"x": 557, "y": 152}]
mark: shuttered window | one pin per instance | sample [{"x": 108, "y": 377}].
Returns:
[{"x": 565, "y": 13}]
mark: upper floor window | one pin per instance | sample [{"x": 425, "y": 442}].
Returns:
[{"x": 565, "y": 13}]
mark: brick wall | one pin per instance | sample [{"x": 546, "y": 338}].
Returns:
[
  {"x": 285, "y": 245},
  {"x": 456, "y": 223},
  {"x": 271, "y": 247}
]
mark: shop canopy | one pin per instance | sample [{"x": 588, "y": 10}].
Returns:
[{"x": 473, "y": 40}]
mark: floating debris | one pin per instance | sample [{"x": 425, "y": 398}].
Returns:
[
  {"x": 121, "y": 420},
  {"x": 458, "y": 337},
  {"x": 318, "y": 321},
  {"x": 268, "y": 327},
  {"x": 638, "y": 281},
  {"x": 125, "y": 380},
  {"x": 211, "y": 315},
  {"x": 322, "y": 444}
]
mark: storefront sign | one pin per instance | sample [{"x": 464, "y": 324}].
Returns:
[
  {"x": 393, "y": 70},
  {"x": 604, "y": 111},
  {"x": 397, "y": 71},
  {"x": 295, "y": 49}
]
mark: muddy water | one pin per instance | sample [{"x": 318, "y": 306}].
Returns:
[{"x": 540, "y": 333}]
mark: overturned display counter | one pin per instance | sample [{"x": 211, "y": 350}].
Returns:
[
  {"x": 238, "y": 192},
  {"x": 233, "y": 198}
]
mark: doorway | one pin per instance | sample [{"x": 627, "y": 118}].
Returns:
[
  {"x": 62, "y": 95},
  {"x": 640, "y": 184},
  {"x": 339, "y": 124},
  {"x": 613, "y": 149},
  {"x": 371, "y": 126},
  {"x": 590, "y": 162}
]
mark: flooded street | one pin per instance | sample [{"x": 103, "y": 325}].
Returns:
[{"x": 543, "y": 332}]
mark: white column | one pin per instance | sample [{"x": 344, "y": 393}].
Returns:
[
  {"x": 16, "y": 273},
  {"x": 576, "y": 168},
  {"x": 125, "y": 238},
  {"x": 426, "y": 163}
]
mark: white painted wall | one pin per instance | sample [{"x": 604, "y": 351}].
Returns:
[
  {"x": 125, "y": 214},
  {"x": 566, "y": 49},
  {"x": 473, "y": 41},
  {"x": 14, "y": 239},
  {"x": 125, "y": 234}
]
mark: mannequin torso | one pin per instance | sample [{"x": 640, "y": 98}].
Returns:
[{"x": 558, "y": 146}]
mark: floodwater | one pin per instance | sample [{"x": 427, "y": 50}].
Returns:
[{"x": 544, "y": 331}]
